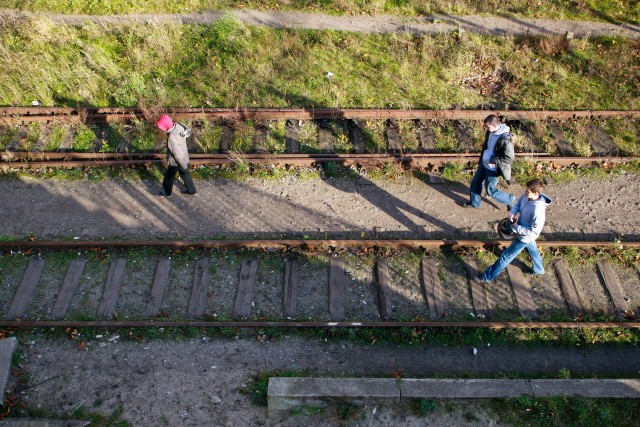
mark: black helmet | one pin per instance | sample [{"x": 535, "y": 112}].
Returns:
[{"x": 506, "y": 230}]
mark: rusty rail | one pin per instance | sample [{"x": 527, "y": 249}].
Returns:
[
  {"x": 287, "y": 244},
  {"x": 407, "y": 160},
  {"x": 23, "y": 324},
  {"x": 19, "y": 115}
]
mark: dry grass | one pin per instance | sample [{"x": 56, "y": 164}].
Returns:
[
  {"x": 230, "y": 65},
  {"x": 603, "y": 10}
]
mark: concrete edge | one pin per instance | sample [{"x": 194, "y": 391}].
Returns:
[
  {"x": 7, "y": 348},
  {"x": 597, "y": 388},
  {"x": 286, "y": 393},
  {"x": 460, "y": 388}
]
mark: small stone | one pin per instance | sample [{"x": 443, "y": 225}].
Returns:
[
  {"x": 215, "y": 399},
  {"x": 475, "y": 351}
]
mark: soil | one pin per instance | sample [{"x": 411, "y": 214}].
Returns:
[
  {"x": 176, "y": 383},
  {"x": 430, "y": 24},
  {"x": 179, "y": 383},
  {"x": 294, "y": 208}
]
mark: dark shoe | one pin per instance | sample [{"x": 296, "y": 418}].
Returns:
[
  {"x": 478, "y": 279},
  {"x": 510, "y": 205},
  {"x": 468, "y": 205},
  {"x": 532, "y": 273},
  {"x": 189, "y": 194},
  {"x": 161, "y": 194}
]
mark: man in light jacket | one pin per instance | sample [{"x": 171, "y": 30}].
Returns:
[
  {"x": 177, "y": 156},
  {"x": 495, "y": 161},
  {"x": 532, "y": 209}
]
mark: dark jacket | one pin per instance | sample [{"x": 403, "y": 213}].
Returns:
[{"x": 502, "y": 153}]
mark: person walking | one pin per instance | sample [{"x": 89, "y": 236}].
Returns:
[
  {"x": 532, "y": 207},
  {"x": 177, "y": 156},
  {"x": 495, "y": 161}
]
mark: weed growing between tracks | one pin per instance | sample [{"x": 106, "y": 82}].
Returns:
[{"x": 230, "y": 64}]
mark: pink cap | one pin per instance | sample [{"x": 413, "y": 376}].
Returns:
[{"x": 164, "y": 123}]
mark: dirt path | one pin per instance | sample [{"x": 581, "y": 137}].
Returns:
[
  {"x": 155, "y": 385},
  {"x": 295, "y": 208},
  {"x": 431, "y": 24}
]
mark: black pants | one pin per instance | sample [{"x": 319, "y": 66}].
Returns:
[{"x": 170, "y": 177}]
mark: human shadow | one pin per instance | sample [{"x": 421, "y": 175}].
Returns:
[{"x": 401, "y": 211}]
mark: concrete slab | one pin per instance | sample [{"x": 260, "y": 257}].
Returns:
[
  {"x": 463, "y": 388},
  {"x": 7, "y": 347},
  {"x": 602, "y": 388},
  {"x": 285, "y": 393}
]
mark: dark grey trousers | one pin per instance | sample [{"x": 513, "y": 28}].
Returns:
[{"x": 170, "y": 177}]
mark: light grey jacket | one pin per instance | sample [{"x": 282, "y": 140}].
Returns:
[
  {"x": 532, "y": 217},
  {"x": 177, "y": 153}
]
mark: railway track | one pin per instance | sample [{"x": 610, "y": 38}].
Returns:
[
  {"x": 410, "y": 138},
  {"x": 21, "y": 115},
  {"x": 429, "y": 161},
  {"x": 360, "y": 283}
]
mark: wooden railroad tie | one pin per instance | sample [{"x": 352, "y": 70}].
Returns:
[
  {"x": 68, "y": 289},
  {"x": 112, "y": 286},
  {"x": 478, "y": 291},
  {"x": 198, "y": 297},
  {"x": 523, "y": 292},
  {"x": 26, "y": 289},
  {"x": 246, "y": 284},
  {"x": 613, "y": 286},
  {"x": 337, "y": 282},
  {"x": 569, "y": 289},
  {"x": 160, "y": 280},
  {"x": 432, "y": 288}
]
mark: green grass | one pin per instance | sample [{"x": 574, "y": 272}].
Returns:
[
  {"x": 607, "y": 10},
  {"x": 422, "y": 407},
  {"x": 568, "y": 411},
  {"x": 95, "y": 419},
  {"x": 229, "y": 64}
]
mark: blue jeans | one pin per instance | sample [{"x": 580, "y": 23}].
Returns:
[
  {"x": 490, "y": 179},
  {"x": 509, "y": 254}
]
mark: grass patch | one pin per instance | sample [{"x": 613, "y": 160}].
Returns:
[
  {"x": 229, "y": 64},
  {"x": 455, "y": 172},
  {"x": 422, "y": 407},
  {"x": 258, "y": 385},
  {"x": 607, "y": 11},
  {"x": 575, "y": 411}
]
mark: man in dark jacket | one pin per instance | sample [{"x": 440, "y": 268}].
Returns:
[
  {"x": 177, "y": 156},
  {"x": 495, "y": 161}
]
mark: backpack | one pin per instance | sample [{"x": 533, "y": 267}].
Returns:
[{"x": 186, "y": 133}]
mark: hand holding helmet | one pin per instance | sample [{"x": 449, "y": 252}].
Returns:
[{"x": 506, "y": 229}]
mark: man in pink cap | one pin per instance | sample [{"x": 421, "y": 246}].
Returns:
[{"x": 177, "y": 156}]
